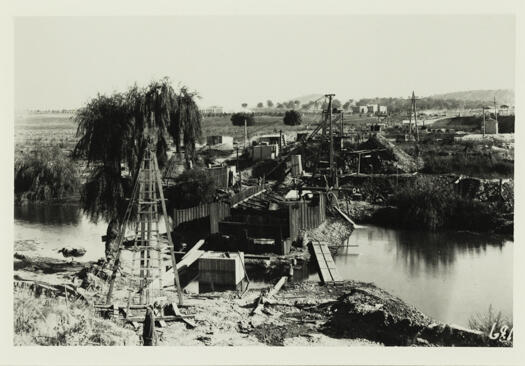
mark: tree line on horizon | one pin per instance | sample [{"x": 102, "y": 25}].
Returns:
[{"x": 394, "y": 105}]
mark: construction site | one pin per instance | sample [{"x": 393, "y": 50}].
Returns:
[{"x": 256, "y": 264}]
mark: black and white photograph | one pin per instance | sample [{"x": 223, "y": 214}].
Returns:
[{"x": 236, "y": 179}]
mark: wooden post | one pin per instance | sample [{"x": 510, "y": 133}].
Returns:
[
  {"x": 342, "y": 129},
  {"x": 483, "y": 121},
  {"x": 245, "y": 132},
  {"x": 495, "y": 111},
  {"x": 332, "y": 177},
  {"x": 415, "y": 114},
  {"x": 168, "y": 231}
]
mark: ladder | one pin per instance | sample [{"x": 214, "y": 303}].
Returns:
[{"x": 148, "y": 247}]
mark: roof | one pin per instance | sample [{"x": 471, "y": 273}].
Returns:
[{"x": 262, "y": 201}]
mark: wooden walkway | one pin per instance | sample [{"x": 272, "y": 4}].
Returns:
[{"x": 327, "y": 269}]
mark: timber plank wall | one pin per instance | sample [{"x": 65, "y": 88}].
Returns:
[
  {"x": 215, "y": 210},
  {"x": 305, "y": 215}
]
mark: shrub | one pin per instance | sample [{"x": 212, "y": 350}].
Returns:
[
  {"x": 292, "y": 118},
  {"x": 484, "y": 322},
  {"x": 424, "y": 204},
  {"x": 479, "y": 166},
  {"x": 45, "y": 173},
  {"x": 191, "y": 188},
  {"x": 239, "y": 118}
]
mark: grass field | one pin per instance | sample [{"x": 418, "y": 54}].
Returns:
[
  {"x": 221, "y": 125},
  {"x": 59, "y": 129},
  {"x": 56, "y": 129}
]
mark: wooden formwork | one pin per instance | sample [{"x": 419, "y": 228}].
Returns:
[{"x": 303, "y": 215}]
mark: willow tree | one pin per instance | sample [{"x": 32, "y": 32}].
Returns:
[{"x": 113, "y": 132}]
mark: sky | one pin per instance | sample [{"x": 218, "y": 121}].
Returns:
[{"x": 62, "y": 62}]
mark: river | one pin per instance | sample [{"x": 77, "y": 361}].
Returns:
[{"x": 449, "y": 276}]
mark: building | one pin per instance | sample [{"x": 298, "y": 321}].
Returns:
[
  {"x": 372, "y": 108},
  {"x": 220, "y": 142},
  {"x": 214, "y": 109},
  {"x": 271, "y": 139},
  {"x": 491, "y": 126},
  {"x": 383, "y": 109},
  {"x": 362, "y": 109},
  {"x": 264, "y": 152},
  {"x": 504, "y": 110}
]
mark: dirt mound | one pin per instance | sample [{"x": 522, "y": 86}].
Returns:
[
  {"x": 368, "y": 312},
  {"x": 393, "y": 159},
  {"x": 365, "y": 311}
]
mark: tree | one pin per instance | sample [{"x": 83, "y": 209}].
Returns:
[
  {"x": 280, "y": 105},
  {"x": 336, "y": 103},
  {"x": 292, "y": 118},
  {"x": 269, "y": 103},
  {"x": 239, "y": 118},
  {"x": 347, "y": 105},
  {"x": 45, "y": 173},
  {"x": 260, "y": 105},
  {"x": 244, "y": 105},
  {"x": 297, "y": 104},
  {"x": 113, "y": 132},
  {"x": 191, "y": 188}
]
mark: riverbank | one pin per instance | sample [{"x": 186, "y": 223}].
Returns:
[{"x": 301, "y": 313}]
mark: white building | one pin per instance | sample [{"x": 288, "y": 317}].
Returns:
[{"x": 214, "y": 109}]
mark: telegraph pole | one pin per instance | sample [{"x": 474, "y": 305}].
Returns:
[
  {"x": 415, "y": 114},
  {"x": 330, "y": 96},
  {"x": 495, "y": 111},
  {"x": 245, "y": 132},
  {"x": 483, "y": 108}
]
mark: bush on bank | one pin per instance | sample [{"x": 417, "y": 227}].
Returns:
[
  {"x": 423, "y": 204},
  {"x": 45, "y": 173}
]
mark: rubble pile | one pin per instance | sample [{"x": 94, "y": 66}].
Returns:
[{"x": 393, "y": 159}]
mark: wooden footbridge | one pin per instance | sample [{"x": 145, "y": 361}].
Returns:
[{"x": 327, "y": 269}]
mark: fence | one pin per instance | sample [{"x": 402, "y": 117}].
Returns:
[
  {"x": 216, "y": 211},
  {"x": 302, "y": 215}
]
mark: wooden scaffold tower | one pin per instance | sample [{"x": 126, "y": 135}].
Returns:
[{"x": 147, "y": 268}]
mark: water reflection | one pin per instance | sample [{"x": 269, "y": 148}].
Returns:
[
  {"x": 447, "y": 275},
  {"x": 436, "y": 252},
  {"x": 64, "y": 214}
]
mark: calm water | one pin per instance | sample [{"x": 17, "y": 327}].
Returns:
[{"x": 448, "y": 276}]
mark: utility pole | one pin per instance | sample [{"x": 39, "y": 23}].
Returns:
[
  {"x": 495, "y": 111},
  {"x": 245, "y": 132},
  {"x": 483, "y": 108},
  {"x": 415, "y": 114},
  {"x": 342, "y": 128},
  {"x": 332, "y": 175}
]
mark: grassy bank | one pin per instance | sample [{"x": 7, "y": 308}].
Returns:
[{"x": 48, "y": 321}]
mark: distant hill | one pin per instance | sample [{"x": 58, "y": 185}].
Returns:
[{"x": 503, "y": 96}]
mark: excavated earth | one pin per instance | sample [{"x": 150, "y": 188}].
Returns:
[{"x": 301, "y": 313}]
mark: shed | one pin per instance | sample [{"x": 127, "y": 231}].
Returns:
[
  {"x": 491, "y": 126},
  {"x": 264, "y": 152},
  {"x": 220, "y": 142}
]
